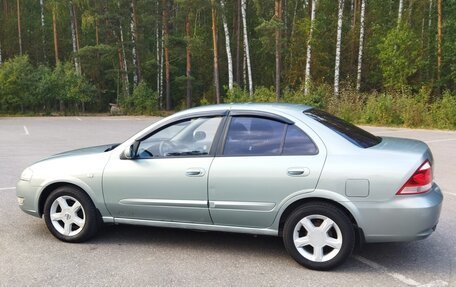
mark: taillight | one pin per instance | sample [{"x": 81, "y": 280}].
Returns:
[{"x": 419, "y": 182}]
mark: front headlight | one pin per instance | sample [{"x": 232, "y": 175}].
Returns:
[{"x": 27, "y": 174}]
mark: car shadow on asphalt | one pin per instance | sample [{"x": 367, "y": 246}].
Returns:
[{"x": 397, "y": 257}]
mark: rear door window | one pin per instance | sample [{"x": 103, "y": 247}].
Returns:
[{"x": 261, "y": 137}]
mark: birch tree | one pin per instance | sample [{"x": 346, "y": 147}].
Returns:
[
  {"x": 338, "y": 47},
  {"x": 134, "y": 39},
  {"x": 73, "y": 38},
  {"x": 188, "y": 70},
  {"x": 361, "y": 46},
  {"x": 399, "y": 13},
  {"x": 215, "y": 52},
  {"x": 228, "y": 46},
  {"x": 278, "y": 47},
  {"x": 43, "y": 34},
  {"x": 309, "y": 49},
  {"x": 166, "y": 52},
  {"x": 246, "y": 46},
  {"x": 123, "y": 67}
]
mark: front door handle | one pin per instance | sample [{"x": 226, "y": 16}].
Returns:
[
  {"x": 298, "y": 171},
  {"x": 195, "y": 172}
]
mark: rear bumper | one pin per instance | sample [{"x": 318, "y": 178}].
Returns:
[{"x": 405, "y": 218}]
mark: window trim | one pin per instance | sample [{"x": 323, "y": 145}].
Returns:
[
  {"x": 264, "y": 115},
  {"x": 213, "y": 148}
]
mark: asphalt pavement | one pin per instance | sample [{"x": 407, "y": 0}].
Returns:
[{"x": 146, "y": 256}]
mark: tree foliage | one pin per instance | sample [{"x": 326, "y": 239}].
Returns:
[{"x": 395, "y": 57}]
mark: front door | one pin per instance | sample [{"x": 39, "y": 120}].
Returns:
[{"x": 168, "y": 178}]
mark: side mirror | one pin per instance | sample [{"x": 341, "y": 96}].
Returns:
[
  {"x": 130, "y": 152},
  {"x": 127, "y": 153}
]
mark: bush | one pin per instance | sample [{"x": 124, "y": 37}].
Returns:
[
  {"x": 42, "y": 89},
  {"x": 142, "y": 101},
  {"x": 318, "y": 97},
  {"x": 349, "y": 105},
  {"x": 380, "y": 110},
  {"x": 443, "y": 112}
]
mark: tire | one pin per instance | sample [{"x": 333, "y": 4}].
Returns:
[
  {"x": 319, "y": 236},
  {"x": 70, "y": 214}
]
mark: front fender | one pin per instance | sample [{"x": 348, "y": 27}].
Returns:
[{"x": 93, "y": 190}]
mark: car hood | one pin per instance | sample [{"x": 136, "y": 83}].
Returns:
[
  {"x": 87, "y": 150},
  {"x": 82, "y": 151}
]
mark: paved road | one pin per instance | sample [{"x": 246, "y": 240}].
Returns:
[{"x": 139, "y": 256}]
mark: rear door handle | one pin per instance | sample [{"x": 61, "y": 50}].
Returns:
[
  {"x": 195, "y": 172},
  {"x": 298, "y": 171}
]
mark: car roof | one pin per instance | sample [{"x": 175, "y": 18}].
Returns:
[{"x": 279, "y": 107}]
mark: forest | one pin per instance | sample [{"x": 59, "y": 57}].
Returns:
[{"x": 389, "y": 62}]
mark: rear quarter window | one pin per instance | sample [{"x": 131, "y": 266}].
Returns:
[{"x": 350, "y": 132}]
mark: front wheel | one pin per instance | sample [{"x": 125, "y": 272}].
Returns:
[
  {"x": 319, "y": 236},
  {"x": 70, "y": 214}
]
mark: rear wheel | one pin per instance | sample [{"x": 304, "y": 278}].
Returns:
[
  {"x": 319, "y": 236},
  {"x": 70, "y": 214}
]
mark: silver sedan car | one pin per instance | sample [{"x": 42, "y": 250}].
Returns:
[{"x": 322, "y": 184}]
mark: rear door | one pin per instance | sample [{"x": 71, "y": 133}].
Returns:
[{"x": 262, "y": 162}]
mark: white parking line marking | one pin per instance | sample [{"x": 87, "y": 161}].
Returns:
[
  {"x": 7, "y": 188},
  {"x": 79, "y": 119},
  {"x": 398, "y": 276},
  {"x": 26, "y": 131},
  {"x": 436, "y": 283},
  {"x": 440, "y": 140},
  {"x": 450, "y": 193}
]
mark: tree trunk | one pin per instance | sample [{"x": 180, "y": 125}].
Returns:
[
  {"x": 134, "y": 39},
  {"x": 355, "y": 10},
  {"x": 410, "y": 11},
  {"x": 399, "y": 14},
  {"x": 189, "y": 63},
  {"x": 246, "y": 46},
  {"x": 309, "y": 49},
  {"x": 278, "y": 48},
  {"x": 73, "y": 38},
  {"x": 166, "y": 42},
  {"x": 56, "y": 39},
  {"x": 214, "y": 44},
  {"x": 123, "y": 63},
  {"x": 439, "y": 40},
  {"x": 361, "y": 42},
  {"x": 157, "y": 37},
  {"x": 19, "y": 28},
  {"x": 97, "y": 33},
  {"x": 338, "y": 47},
  {"x": 430, "y": 74},
  {"x": 228, "y": 47},
  {"x": 43, "y": 32},
  {"x": 238, "y": 42},
  {"x": 76, "y": 26}
]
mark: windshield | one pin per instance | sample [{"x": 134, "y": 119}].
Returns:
[{"x": 350, "y": 132}]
